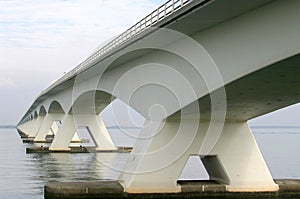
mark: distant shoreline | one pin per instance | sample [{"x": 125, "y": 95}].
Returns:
[
  {"x": 11, "y": 126},
  {"x": 266, "y": 127},
  {"x": 123, "y": 127},
  {"x": 8, "y": 126}
]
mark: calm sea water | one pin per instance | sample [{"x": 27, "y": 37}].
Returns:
[{"x": 24, "y": 175}]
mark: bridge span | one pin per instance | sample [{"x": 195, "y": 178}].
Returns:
[{"x": 197, "y": 71}]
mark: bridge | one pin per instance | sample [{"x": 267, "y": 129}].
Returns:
[{"x": 197, "y": 71}]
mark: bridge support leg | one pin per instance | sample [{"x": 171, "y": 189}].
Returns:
[
  {"x": 54, "y": 129},
  {"x": 156, "y": 160},
  {"x": 36, "y": 126},
  {"x": 95, "y": 126},
  {"x": 238, "y": 161},
  {"x": 97, "y": 130},
  {"x": 64, "y": 135},
  {"x": 47, "y": 123},
  {"x": 26, "y": 127},
  {"x": 231, "y": 158}
]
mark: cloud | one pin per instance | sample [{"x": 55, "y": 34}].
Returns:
[
  {"x": 56, "y": 35},
  {"x": 40, "y": 40},
  {"x": 7, "y": 83},
  {"x": 48, "y": 23}
]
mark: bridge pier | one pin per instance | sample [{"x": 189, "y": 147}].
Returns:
[
  {"x": 231, "y": 158},
  {"x": 37, "y": 122},
  {"x": 46, "y": 126},
  {"x": 26, "y": 127},
  {"x": 94, "y": 125},
  {"x": 64, "y": 134},
  {"x": 237, "y": 161},
  {"x": 54, "y": 128},
  {"x": 97, "y": 130}
]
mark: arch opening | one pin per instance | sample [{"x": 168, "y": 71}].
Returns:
[
  {"x": 35, "y": 115},
  {"x": 91, "y": 102},
  {"x": 55, "y": 107},
  {"x": 54, "y": 129},
  {"x": 86, "y": 137},
  {"x": 42, "y": 111},
  {"x": 194, "y": 169},
  {"x": 123, "y": 123}
]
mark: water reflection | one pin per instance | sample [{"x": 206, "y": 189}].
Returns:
[
  {"x": 74, "y": 167},
  {"x": 24, "y": 175}
]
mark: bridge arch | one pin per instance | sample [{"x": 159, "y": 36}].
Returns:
[
  {"x": 35, "y": 114},
  {"x": 91, "y": 102},
  {"x": 55, "y": 107},
  {"x": 42, "y": 111},
  {"x": 160, "y": 71}
]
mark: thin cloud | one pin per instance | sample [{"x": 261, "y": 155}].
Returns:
[
  {"x": 47, "y": 23},
  {"x": 7, "y": 83},
  {"x": 42, "y": 39}
]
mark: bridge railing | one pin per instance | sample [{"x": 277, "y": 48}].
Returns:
[{"x": 151, "y": 19}]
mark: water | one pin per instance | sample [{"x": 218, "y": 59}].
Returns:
[
  {"x": 24, "y": 175},
  {"x": 280, "y": 148}
]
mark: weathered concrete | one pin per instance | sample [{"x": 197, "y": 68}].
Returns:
[
  {"x": 189, "y": 189},
  {"x": 22, "y": 134},
  {"x": 49, "y": 140},
  {"x": 78, "y": 150}
]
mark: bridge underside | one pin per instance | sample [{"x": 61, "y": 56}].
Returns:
[
  {"x": 261, "y": 92},
  {"x": 230, "y": 157},
  {"x": 264, "y": 91}
]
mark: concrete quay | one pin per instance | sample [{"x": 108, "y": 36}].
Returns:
[
  {"x": 189, "y": 189},
  {"x": 49, "y": 140},
  {"x": 78, "y": 150}
]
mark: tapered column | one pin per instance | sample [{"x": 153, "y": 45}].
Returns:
[
  {"x": 36, "y": 126},
  {"x": 26, "y": 127},
  {"x": 48, "y": 121},
  {"x": 230, "y": 156},
  {"x": 97, "y": 130},
  {"x": 95, "y": 126},
  {"x": 54, "y": 128},
  {"x": 237, "y": 161},
  {"x": 158, "y": 157},
  {"x": 64, "y": 135}
]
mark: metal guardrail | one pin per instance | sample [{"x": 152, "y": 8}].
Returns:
[{"x": 151, "y": 19}]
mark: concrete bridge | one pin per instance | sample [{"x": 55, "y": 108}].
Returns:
[{"x": 197, "y": 71}]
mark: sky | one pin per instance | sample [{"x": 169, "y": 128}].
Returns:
[{"x": 40, "y": 40}]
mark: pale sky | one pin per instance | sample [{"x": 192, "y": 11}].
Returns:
[{"x": 42, "y": 39}]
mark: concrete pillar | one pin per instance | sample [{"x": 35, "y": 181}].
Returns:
[
  {"x": 37, "y": 123},
  {"x": 97, "y": 130},
  {"x": 48, "y": 121},
  {"x": 26, "y": 127},
  {"x": 64, "y": 135},
  {"x": 94, "y": 125},
  {"x": 230, "y": 156},
  {"x": 53, "y": 129},
  {"x": 237, "y": 161}
]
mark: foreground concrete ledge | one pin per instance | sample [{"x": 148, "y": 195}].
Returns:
[
  {"x": 49, "y": 140},
  {"x": 288, "y": 185},
  {"x": 78, "y": 150},
  {"x": 189, "y": 189}
]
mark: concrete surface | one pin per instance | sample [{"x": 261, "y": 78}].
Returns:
[{"x": 189, "y": 189}]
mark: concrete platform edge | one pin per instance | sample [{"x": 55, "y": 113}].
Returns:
[{"x": 288, "y": 188}]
